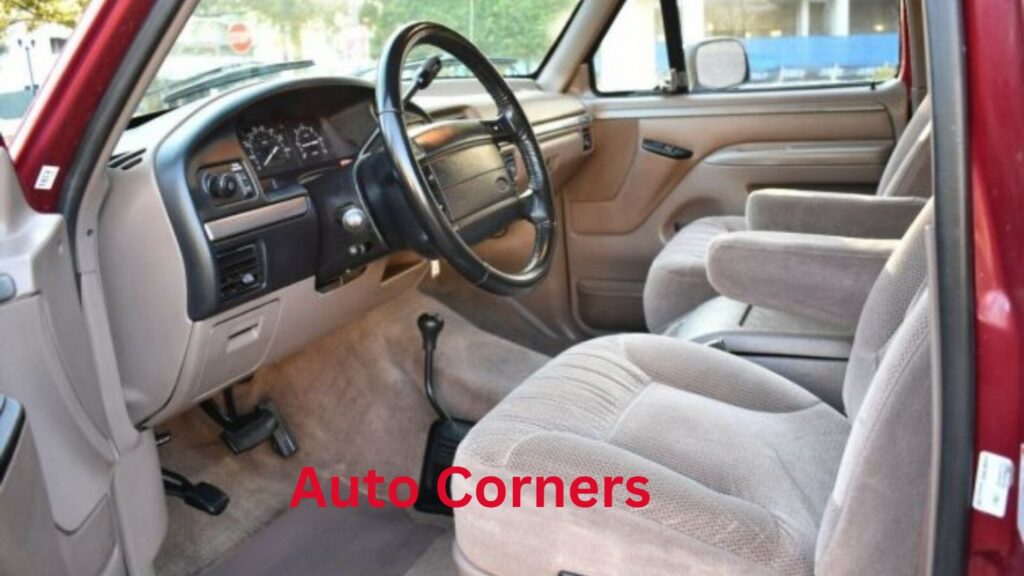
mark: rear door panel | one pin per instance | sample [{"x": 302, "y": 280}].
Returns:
[{"x": 626, "y": 202}]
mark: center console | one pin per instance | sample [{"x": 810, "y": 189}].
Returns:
[{"x": 810, "y": 353}]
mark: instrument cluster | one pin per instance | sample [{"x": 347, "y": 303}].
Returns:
[{"x": 285, "y": 146}]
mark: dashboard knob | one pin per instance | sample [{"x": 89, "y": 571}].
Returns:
[
  {"x": 353, "y": 220},
  {"x": 228, "y": 185},
  {"x": 223, "y": 186}
]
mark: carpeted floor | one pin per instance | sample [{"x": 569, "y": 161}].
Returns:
[
  {"x": 360, "y": 541},
  {"x": 354, "y": 400}
]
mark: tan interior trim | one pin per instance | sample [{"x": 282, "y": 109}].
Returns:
[
  {"x": 838, "y": 153},
  {"x": 621, "y": 187},
  {"x": 251, "y": 220},
  {"x": 556, "y": 127},
  {"x": 686, "y": 111},
  {"x": 890, "y": 95}
]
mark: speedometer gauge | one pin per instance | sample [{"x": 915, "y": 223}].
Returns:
[
  {"x": 267, "y": 147},
  {"x": 310, "y": 142}
]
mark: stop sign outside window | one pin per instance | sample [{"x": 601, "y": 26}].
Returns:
[{"x": 239, "y": 38}]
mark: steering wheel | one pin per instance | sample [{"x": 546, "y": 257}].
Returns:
[{"x": 453, "y": 177}]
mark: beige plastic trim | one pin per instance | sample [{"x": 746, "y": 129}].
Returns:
[
  {"x": 468, "y": 99},
  {"x": 26, "y": 519},
  {"x": 624, "y": 186},
  {"x": 47, "y": 364},
  {"x": 230, "y": 346},
  {"x": 45, "y": 359},
  {"x": 838, "y": 153},
  {"x": 257, "y": 218},
  {"x": 137, "y": 489},
  {"x": 889, "y": 96}
]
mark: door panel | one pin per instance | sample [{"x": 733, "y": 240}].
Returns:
[
  {"x": 628, "y": 200},
  {"x": 47, "y": 363},
  {"x": 26, "y": 520}
]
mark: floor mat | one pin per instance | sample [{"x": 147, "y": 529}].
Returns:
[
  {"x": 331, "y": 541},
  {"x": 438, "y": 560}
]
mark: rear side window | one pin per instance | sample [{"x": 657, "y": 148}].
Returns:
[{"x": 789, "y": 43}]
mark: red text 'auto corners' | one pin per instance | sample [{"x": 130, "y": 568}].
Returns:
[{"x": 489, "y": 491}]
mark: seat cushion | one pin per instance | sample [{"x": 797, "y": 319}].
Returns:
[
  {"x": 740, "y": 464},
  {"x": 677, "y": 281}
]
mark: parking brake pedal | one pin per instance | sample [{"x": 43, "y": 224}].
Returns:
[
  {"x": 203, "y": 496},
  {"x": 243, "y": 432}
]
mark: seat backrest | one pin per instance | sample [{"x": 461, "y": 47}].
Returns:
[
  {"x": 909, "y": 171},
  {"x": 872, "y": 523}
]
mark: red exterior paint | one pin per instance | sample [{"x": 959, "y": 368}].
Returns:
[
  {"x": 57, "y": 120},
  {"x": 995, "y": 57}
]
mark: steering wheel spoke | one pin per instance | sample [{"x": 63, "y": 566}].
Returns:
[
  {"x": 503, "y": 128},
  {"x": 531, "y": 208}
]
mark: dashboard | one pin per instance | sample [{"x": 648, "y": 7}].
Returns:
[
  {"x": 240, "y": 228},
  {"x": 271, "y": 187},
  {"x": 281, "y": 141}
]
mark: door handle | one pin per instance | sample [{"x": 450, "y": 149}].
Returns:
[{"x": 667, "y": 150}]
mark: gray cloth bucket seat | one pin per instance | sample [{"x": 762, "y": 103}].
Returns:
[{"x": 748, "y": 472}]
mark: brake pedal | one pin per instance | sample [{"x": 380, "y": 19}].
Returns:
[
  {"x": 243, "y": 432},
  {"x": 250, "y": 434},
  {"x": 284, "y": 440}
]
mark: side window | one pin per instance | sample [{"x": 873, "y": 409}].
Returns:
[
  {"x": 789, "y": 43},
  {"x": 633, "y": 55}
]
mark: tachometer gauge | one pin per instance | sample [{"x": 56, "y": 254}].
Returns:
[
  {"x": 267, "y": 147},
  {"x": 310, "y": 142}
]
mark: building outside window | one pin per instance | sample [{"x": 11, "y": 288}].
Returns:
[{"x": 789, "y": 42}]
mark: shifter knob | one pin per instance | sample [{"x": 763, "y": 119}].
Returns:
[{"x": 430, "y": 326}]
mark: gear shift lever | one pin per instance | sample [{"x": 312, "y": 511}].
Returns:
[
  {"x": 445, "y": 433},
  {"x": 430, "y": 326}
]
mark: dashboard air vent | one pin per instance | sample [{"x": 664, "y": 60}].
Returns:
[
  {"x": 239, "y": 271},
  {"x": 127, "y": 160}
]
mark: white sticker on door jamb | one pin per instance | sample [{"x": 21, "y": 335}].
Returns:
[
  {"x": 47, "y": 177},
  {"x": 992, "y": 484},
  {"x": 1020, "y": 497}
]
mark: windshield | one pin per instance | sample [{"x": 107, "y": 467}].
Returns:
[{"x": 231, "y": 42}]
